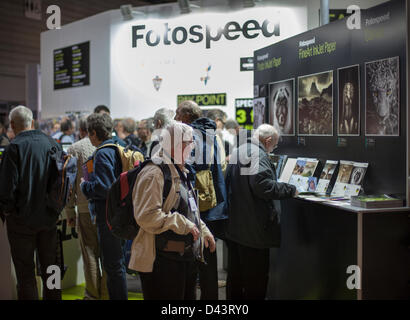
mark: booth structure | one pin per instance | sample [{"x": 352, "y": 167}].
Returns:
[
  {"x": 321, "y": 240},
  {"x": 224, "y": 58},
  {"x": 160, "y": 57}
]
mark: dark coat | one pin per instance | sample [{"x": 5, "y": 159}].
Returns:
[
  {"x": 107, "y": 167},
  {"x": 24, "y": 175},
  {"x": 253, "y": 206}
]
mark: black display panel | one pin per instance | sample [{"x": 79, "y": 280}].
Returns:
[
  {"x": 72, "y": 66},
  {"x": 382, "y": 36}
]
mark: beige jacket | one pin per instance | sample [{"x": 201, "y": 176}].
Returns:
[{"x": 154, "y": 217}]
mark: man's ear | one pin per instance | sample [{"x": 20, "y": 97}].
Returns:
[{"x": 32, "y": 124}]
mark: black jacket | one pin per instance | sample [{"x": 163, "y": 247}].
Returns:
[
  {"x": 254, "y": 212},
  {"x": 24, "y": 174}
]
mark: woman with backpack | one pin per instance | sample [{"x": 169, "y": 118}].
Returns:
[{"x": 171, "y": 237}]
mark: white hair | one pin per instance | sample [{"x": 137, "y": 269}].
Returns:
[
  {"x": 174, "y": 133},
  {"x": 166, "y": 116},
  {"x": 265, "y": 131},
  {"x": 21, "y": 117}
]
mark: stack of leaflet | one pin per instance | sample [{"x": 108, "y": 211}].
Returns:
[
  {"x": 279, "y": 161},
  {"x": 287, "y": 170},
  {"x": 349, "y": 179},
  {"x": 325, "y": 180},
  {"x": 304, "y": 169}
]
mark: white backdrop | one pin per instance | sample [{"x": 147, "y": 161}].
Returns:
[{"x": 122, "y": 76}]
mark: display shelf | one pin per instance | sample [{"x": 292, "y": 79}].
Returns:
[{"x": 347, "y": 207}]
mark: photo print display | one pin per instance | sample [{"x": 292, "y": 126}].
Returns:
[
  {"x": 349, "y": 101},
  {"x": 281, "y": 106},
  {"x": 326, "y": 176},
  {"x": 303, "y": 170},
  {"x": 382, "y": 97},
  {"x": 349, "y": 179},
  {"x": 259, "y": 107},
  {"x": 315, "y": 104}
]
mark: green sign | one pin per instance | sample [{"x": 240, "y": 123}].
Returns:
[
  {"x": 204, "y": 100},
  {"x": 244, "y": 112}
]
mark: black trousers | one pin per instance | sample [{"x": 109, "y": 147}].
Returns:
[
  {"x": 248, "y": 272},
  {"x": 169, "y": 280},
  {"x": 208, "y": 276},
  {"x": 23, "y": 241}
]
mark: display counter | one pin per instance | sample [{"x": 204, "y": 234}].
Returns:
[{"x": 320, "y": 240}]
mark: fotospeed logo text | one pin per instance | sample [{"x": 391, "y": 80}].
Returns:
[{"x": 197, "y": 33}]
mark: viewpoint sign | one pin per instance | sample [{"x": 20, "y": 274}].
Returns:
[{"x": 170, "y": 34}]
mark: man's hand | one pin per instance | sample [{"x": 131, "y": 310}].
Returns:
[
  {"x": 195, "y": 232},
  {"x": 209, "y": 241}
]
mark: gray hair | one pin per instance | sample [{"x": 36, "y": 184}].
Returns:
[
  {"x": 231, "y": 124},
  {"x": 129, "y": 125},
  {"x": 83, "y": 124},
  {"x": 164, "y": 115},
  {"x": 265, "y": 131},
  {"x": 175, "y": 130},
  {"x": 21, "y": 116}
]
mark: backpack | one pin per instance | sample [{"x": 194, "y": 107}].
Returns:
[
  {"x": 128, "y": 157},
  {"x": 204, "y": 183},
  {"x": 61, "y": 179},
  {"x": 119, "y": 207}
]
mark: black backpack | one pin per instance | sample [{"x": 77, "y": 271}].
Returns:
[{"x": 119, "y": 208}]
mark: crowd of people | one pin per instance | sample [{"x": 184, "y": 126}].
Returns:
[{"x": 205, "y": 180}]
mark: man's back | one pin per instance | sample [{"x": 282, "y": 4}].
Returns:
[{"x": 24, "y": 176}]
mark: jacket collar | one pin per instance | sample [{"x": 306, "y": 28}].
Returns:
[
  {"x": 257, "y": 143},
  {"x": 106, "y": 142}
]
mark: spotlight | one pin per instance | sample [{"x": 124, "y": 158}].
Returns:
[
  {"x": 127, "y": 12},
  {"x": 248, "y": 3},
  {"x": 184, "y": 6}
]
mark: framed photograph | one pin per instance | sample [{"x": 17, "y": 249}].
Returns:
[
  {"x": 383, "y": 97},
  {"x": 281, "y": 106},
  {"x": 315, "y": 104},
  {"x": 259, "y": 109},
  {"x": 348, "y": 115}
]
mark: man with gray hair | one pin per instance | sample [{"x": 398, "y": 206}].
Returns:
[
  {"x": 254, "y": 214},
  {"x": 31, "y": 224}
]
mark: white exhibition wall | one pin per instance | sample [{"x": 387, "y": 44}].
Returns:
[
  {"x": 95, "y": 29},
  {"x": 121, "y": 76}
]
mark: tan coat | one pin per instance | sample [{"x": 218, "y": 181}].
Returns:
[{"x": 154, "y": 217}]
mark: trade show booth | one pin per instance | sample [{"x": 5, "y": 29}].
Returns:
[{"x": 338, "y": 95}]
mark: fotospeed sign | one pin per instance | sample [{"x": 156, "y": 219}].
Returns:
[{"x": 244, "y": 112}]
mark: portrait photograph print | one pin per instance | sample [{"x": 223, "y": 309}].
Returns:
[
  {"x": 349, "y": 101},
  {"x": 281, "y": 106},
  {"x": 315, "y": 104},
  {"x": 383, "y": 97}
]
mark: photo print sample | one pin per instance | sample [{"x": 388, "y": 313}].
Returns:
[
  {"x": 345, "y": 171},
  {"x": 383, "y": 97},
  {"x": 328, "y": 171},
  {"x": 357, "y": 175},
  {"x": 259, "y": 109},
  {"x": 299, "y": 167},
  {"x": 315, "y": 104},
  {"x": 281, "y": 106},
  {"x": 349, "y": 101},
  {"x": 309, "y": 169}
]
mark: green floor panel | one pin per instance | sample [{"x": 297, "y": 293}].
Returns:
[{"x": 77, "y": 292}]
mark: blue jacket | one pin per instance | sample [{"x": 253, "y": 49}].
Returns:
[
  {"x": 220, "y": 211},
  {"x": 107, "y": 167}
]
